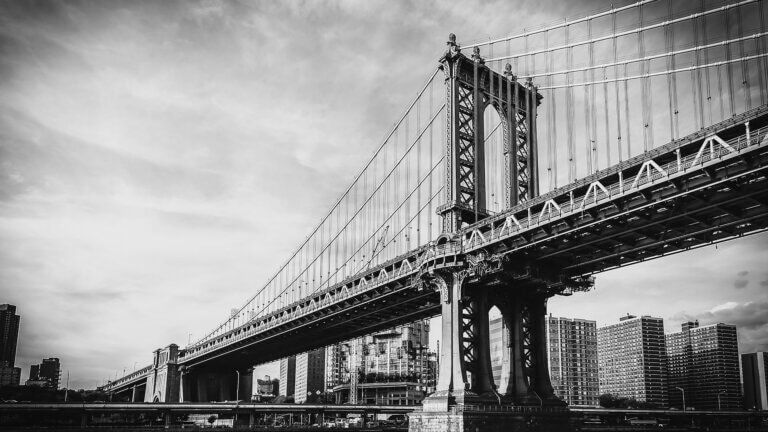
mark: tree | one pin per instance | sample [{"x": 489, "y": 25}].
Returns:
[{"x": 212, "y": 420}]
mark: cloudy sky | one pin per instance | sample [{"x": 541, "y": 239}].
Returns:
[{"x": 158, "y": 160}]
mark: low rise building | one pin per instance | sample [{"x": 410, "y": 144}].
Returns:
[{"x": 46, "y": 374}]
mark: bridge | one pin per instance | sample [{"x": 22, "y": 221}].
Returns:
[{"x": 493, "y": 191}]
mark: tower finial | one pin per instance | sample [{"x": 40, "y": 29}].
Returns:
[
  {"x": 508, "y": 72},
  {"x": 453, "y": 47},
  {"x": 476, "y": 55}
]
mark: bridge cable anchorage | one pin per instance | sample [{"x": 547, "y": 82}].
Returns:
[{"x": 660, "y": 24}]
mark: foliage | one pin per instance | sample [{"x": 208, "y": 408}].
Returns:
[{"x": 608, "y": 400}]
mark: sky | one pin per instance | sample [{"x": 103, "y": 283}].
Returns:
[{"x": 159, "y": 160}]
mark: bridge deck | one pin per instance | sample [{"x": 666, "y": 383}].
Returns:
[{"x": 707, "y": 187}]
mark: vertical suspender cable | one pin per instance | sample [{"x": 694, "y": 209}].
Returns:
[
  {"x": 699, "y": 89},
  {"x": 616, "y": 87},
  {"x": 762, "y": 64},
  {"x": 744, "y": 63},
  {"x": 569, "y": 108},
  {"x": 501, "y": 156},
  {"x": 476, "y": 144},
  {"x": 644, "y": 82},
  {"x": 729, "y": 66},
  {"x": 431, "y": 213},
  {"x": 587, "y": 126},
  {"x": 553, "y": 110},
  {"x": 626, "y": 112},
  {"x": 587, "y": 123},
  {"x": 706, "y": 73},
  {"x": 671, "y": 77},
  {"x": 550, "y": 108},
  {"x": 419, "y": 150},
  {"x": 592, "y": 109},
  {"x": 407, "y": 228},
  {"x": 606, "y": 121}
]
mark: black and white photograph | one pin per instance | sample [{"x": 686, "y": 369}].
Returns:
[{"x": 384, "y": 215}]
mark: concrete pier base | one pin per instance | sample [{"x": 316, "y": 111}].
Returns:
[{"x": 499, "y": 418}]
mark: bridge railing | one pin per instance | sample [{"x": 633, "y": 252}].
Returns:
[
  {"x": 127, "y": 378},
  {"x": 562, "y": 202},
  {"x": 354, "y": 287}
]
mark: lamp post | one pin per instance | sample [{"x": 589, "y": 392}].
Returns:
[
  {"x": 718, "y": 400},
  {"x": 682, "y": 390}
]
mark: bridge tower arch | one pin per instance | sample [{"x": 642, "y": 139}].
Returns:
[{"x": 471, "y": 87}]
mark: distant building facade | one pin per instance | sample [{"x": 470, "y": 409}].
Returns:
[
  {"x": 704, "y": 362},
  {"x": 310, "y": 375},
  {"x": 9, "y": 335},
  {"x": 266, "y": 389},
  {"x": 288, "y": 376},
  {"x": 572, "y": 345},
  {"x": 498, "y": 342},
  {"x": 336, "y": 365},
  {"x": 632, "y": 359},
  {"x": 393, "y": 367},
  {"x": 46, "y": 374},
  {"x": 754, "y": 367}
]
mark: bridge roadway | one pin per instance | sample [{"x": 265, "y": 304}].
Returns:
[{"x": 705, "y": 188}]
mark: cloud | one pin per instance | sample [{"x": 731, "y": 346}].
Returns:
[
  {"x": 159, "y": 160},
  {"x": 750, "y": 319}
]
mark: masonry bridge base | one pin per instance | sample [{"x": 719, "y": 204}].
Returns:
[{"x": 467, "y": 399}]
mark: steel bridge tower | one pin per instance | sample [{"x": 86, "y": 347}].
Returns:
[{"x": 471, "y": 288}]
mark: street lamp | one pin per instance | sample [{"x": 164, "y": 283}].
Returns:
[
  {"x": 718, "y": 399},
  {"x": 683, "y": 392}
]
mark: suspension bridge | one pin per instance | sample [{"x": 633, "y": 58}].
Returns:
[{"x": 525, "y": 165}]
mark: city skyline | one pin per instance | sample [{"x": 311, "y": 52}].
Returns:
[{"x": 142, "y": 145}]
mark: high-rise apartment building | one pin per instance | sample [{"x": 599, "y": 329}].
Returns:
[
  {"x": 310, "y": 374},
  {"x": 572, "y": 345},
  {"x": 45, "y": 374},
  {"x": 632, "y": 359},
  {"x": 393, "y": 367},
  {"x": 703, "y": 362},
  {"x": 9, "y": 334},
  {"x": 754, "y": 367},
  {"x": 336, "y": 365},
  {"x": 288, "y": 376}
]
